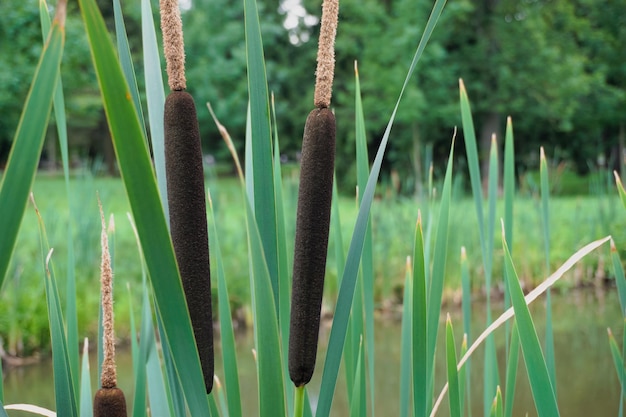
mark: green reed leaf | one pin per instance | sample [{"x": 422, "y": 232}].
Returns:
[
  {"x": 61, "y": 124},
  {"x": 126, "y": 61},
  {"x": 284, "y": 276},
  {"x": 155, "y": 98},
  {"x": 406, "y": 342},
  {"x": 267, "y": 339},
  {"x": 367, "y": 257},
  {"x": 545, "y": 216},
  {"x": 86, "y": 402},
  {"x": 21, "y": 167},
  {"x": 227, "y": 338},
  {"x": 260, "y": 131},
  {"x": 540, "y": 383},
  {"x": 511, "y": 371},
  {"x": 65, "y": 394},
  {"x": 420, "y": 326},
  {"x": 436, "y": 283},
  {"x": 454, "y": 394}
]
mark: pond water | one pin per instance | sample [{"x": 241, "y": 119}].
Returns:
[{"x": 586, "y": 380}]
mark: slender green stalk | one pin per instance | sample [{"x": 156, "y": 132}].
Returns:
[
  {"x": 540, "y": 383},
  {"x": 298, "y": 410},
  {"x": 454, "y": 394},
  {"x": 421, "y": 391},
  {"x": 545, "y": 216},
  {"x": 406, "y": 342},
  {"x": 466, "y": 302}
]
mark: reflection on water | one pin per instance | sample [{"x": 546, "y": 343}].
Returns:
[{"x": 587, "y": 383}]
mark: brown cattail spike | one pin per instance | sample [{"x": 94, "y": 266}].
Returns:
[
  {"x": 311, "y": 242},
  {"x": 109, "y": 402},
  {"x": 108, "y": 378},
  {"x": 187, "y": 206},
  {"x": 173, "y": 46},
  {"x": 326, "y": 54}
]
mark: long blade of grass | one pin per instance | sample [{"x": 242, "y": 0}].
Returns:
[
  {"x": 86, "y": 403},
  {"x": 227, "y": 338},
  {"x": 284, "y": 281},
  {"x": 262, "y": 171},
  {"x": 511, "y": 371},
  {"x": 466, "y": 305},
  {"x": 545, "y": 216},
  {"x": 61, "y": 123},
  {"x": 530, "y": 297},
  {"x": 419, "y": 325},
  {"x": 367, "y": 257},
  {"x": 267, "y": 339},
  {"x": 464, "y": 390},
  {"x": 620, "y": 280},
  {"x": 346, "y": 291},
  {"x": 155, "y": 98},
  {"x": 21, "y": 167},
  {"x": 453, "y": 376},
  {"x": 173, "y": 385},
  {"x": 509, "y": 197},
  {"x": 405, "y": 342},
  {"x": 490, "y": 361},
  {"x": 496, "y": 408},
  {"x": 138, "y": 176},
  {"x": 471, "y": 150},
  {"x": 490, "y": 358},
  {"x": 340, "y": 259},
  {"x": 140, "y": 352},
  {"x": 540, "y": 383},
  {"x": 620, "y": 188},
  {"x": 358, "y": 404},
  {"x": 126, "y": 61},
  {"x": 618, "y": 361},
  {"x": 509, "y": 182},
  {"x": 435, "y": 285},
  {"x": 65, "y": 395}
]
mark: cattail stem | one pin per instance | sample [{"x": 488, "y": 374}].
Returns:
[
  {"x": 326, "y": 54},
  {"x": 109, "y": 400},
  {"x": 298, "y": 410},
  {"x": 108, "y": 378},
  {"x": 172, "y": 28}
]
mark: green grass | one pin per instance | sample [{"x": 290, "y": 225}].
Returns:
[{"x": 391, "y": 246}]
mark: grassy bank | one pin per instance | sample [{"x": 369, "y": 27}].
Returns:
[{"x": 23, "y": 322}]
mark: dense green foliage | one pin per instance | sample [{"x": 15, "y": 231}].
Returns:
[{"x": 556, "y": 67}]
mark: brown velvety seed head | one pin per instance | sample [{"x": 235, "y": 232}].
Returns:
[
  {"x": 109, "y": 402},
  {"x": 187, "y": 207},
  {"x": 311, "y": 243}
]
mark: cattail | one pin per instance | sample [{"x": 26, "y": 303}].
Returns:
[
  {"x": 109, "y": 400},
  {"x": 311, "y": 244},
  {"x": 314, "y": 206},
  {"x": 185, "y": 190}
]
